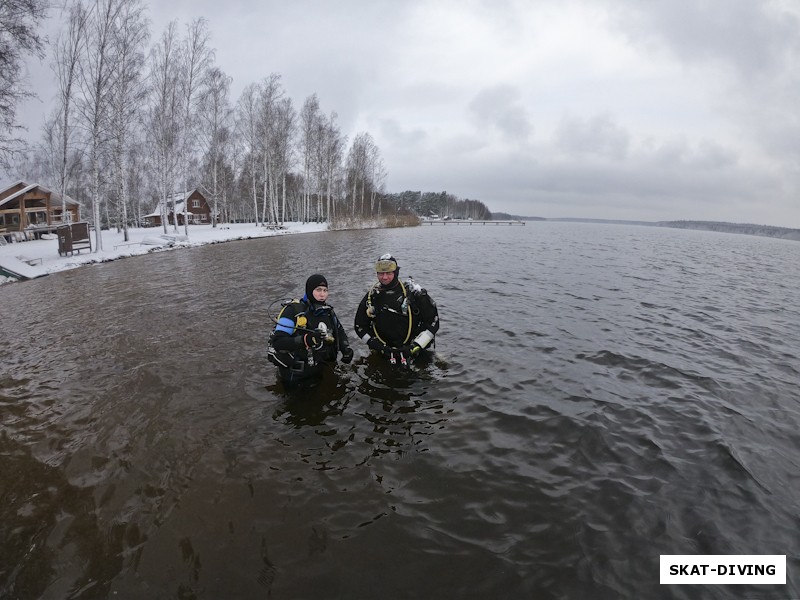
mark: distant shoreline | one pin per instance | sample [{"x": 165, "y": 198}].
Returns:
[{"x": 784, "y": 233}]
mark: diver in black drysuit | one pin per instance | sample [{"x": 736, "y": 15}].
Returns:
[
  {"x": 308, "y": 335},
  {"x": 396, "y": 319}
]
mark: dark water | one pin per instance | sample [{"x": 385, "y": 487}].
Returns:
[{"x": 601, "y": 395}]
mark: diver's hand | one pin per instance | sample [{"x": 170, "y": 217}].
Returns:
[
  {"x": 313, "y": 339},
  {"x": 347, "y": 355}
]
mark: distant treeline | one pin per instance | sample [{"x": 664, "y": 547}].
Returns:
[
  {"x": 442, "y": 204},
  {"x": 745, "y": 228},
  {"x": 501, "y": 216}
]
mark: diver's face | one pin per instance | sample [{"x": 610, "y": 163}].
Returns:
[
  {"x": 320, "y": 294},
  {"x": 386, "y": 278}
]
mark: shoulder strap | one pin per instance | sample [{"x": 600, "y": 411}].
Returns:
[{"x": 370, "y": 309}]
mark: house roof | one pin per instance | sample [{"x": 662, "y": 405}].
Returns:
[
  {"x": 178, "y": 197},
  {"x": 157, "y": 210},
  {"x": 28, "y": 187}
]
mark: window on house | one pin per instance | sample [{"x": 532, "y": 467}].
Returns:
[
  {"x": 203, "y": 217},
  {"x": 195, "y": 203}
]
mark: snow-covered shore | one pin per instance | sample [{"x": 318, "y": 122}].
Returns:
[{"x": 40, "y": 257}]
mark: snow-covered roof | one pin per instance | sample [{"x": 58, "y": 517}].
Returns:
[
  {"x": 27, "y": 188},
  {"x": 179, "y": 208},
  {"x": 179, "y": 198}
]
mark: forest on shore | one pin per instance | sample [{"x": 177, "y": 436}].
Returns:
[{"x": 138, "y": 121}]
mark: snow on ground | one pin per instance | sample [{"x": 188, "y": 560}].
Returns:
[{"x": 40, "y": 257}]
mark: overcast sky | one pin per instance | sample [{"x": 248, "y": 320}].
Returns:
[{"x": 618, "y": 109}]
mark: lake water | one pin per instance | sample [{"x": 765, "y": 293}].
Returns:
[{"x": 600, "y": 395}]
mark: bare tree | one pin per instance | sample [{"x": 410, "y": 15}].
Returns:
[
  {"x": 19, "y": 37},
  {"x": 48, "y": 150},
  {"x": 196, "y": 60},
  {"x": 165, "y": 114},
  {"x": 320, "y": 164},
  {"x": 309, "y": 128},
  {"x": 136, "y": 173},
  {"x": 247, "y": 126},
  {"x": 233, "y": 167},
  {"x": 365, "y": 174},
  {"x": 216, "y": 115},
  {"x": 67, "y": 52},
  {"x": 96, "y": 75},
  {"x": 377, "y": 174},
  {"x": 357, "y": 167},
  {"x": 128, "y": 93},
  {"x": 270, "y": 96},
  {"x": 334, "y": 144},
  {"x": 284, "y": 130}
]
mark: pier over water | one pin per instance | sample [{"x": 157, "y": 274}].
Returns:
[{"x": 470, "y": 222}]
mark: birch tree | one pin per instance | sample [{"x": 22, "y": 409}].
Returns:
[
  {"x": 165, "y": 114},
  {"x": 136, "y": 173},
  {"x": 357, "y": 165},
  {"x": 247, "y": 126},
  {"x": 216, "y": 115},
  {"x": 96, "y": 73},
  {"x": 334, "y": 143},
  {"x": 309, "y": 140},
  {"x": 271, "y": 94},
  {"x": 365, "y": 174},
  {"x": 233, "y": 166},
  {"x": 67, "y": 52},
  {"x": 19, "y": 37},
  {"x": 284, "y": 131},
  {"x": 196, "y": 60},
  {"x": 128, "y": 93},
  {"x": 377, "y": 174},
  {"x": 319, "y": 166}
]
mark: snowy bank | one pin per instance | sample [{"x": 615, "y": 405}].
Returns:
[{"x": 36, "y": 258}]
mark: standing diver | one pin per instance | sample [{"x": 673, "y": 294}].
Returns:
[
  {"x": 307, "y": 335},
  {"x": 398, "y": 320}
]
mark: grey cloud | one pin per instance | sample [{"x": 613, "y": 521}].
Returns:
[
  {"x": 758, "y": 40},
  {"x": 395, "y": 136},
  {"x": 679, "y": 154},
  {"x": 753, "y": 37},
  {"x": 500, "y": 107},
  {"x": 599, "y": 135},
  {"x": 667, "y": 181},
  {"x": 710, "y": 155}
]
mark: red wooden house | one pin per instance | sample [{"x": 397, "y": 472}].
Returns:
[{"x": 195, "y": 205}]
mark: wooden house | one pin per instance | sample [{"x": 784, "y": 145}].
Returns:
[
  {"x": 32, "y": 207},
  {"x": 193, "y": 203}
]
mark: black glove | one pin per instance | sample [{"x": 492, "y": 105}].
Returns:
[
  {"x": 411, "y": 350},
  {"x": 347, "y": 355},
  {"x": 313, "y": 339},
  {"x": 377, "y": 345}
]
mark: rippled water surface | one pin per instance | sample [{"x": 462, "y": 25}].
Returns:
[{"x": 600, "y": 395}]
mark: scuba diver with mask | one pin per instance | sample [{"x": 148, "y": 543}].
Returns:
[
  {"x": 307, "y": 335},
  {"x": 395, "y": 319}
]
